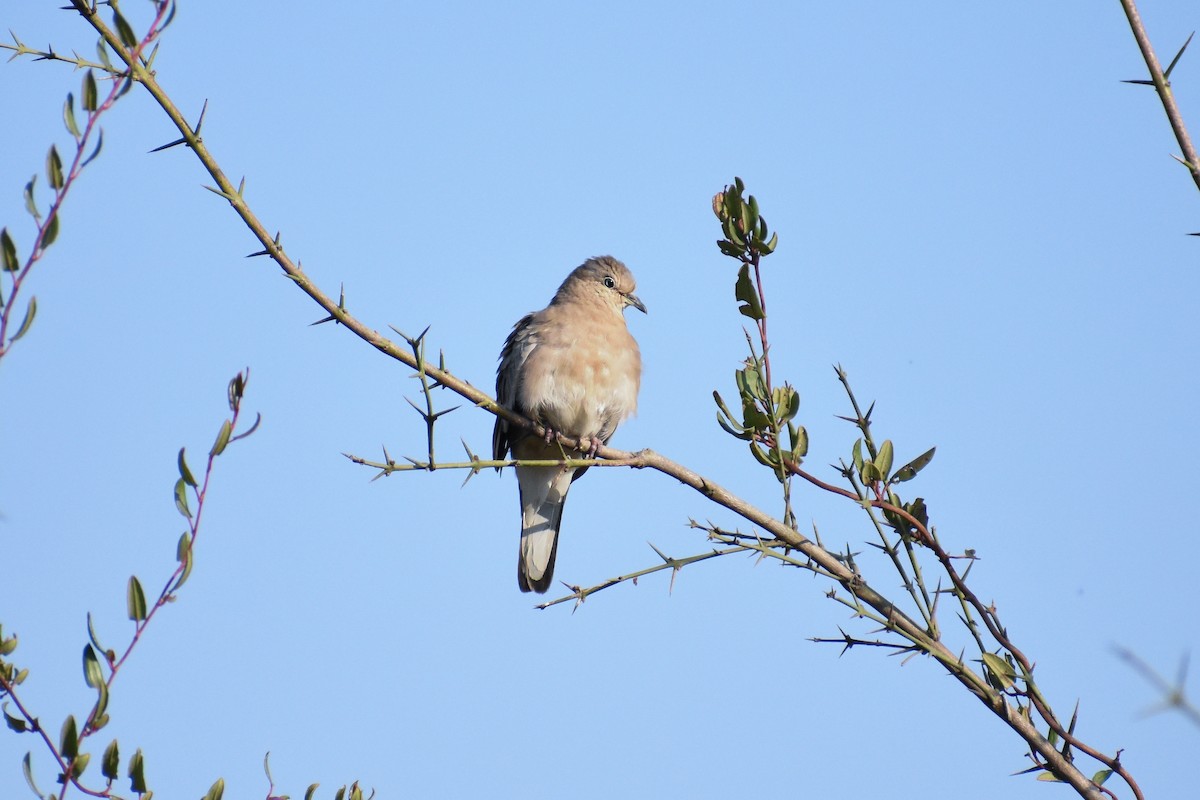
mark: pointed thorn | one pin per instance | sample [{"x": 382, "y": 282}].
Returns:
[
  {"x": 1140, "y": 82},
  {"x": 200, "y": 121},
  {"x": 169, "y": 145},
  {"x": 1175, "y": 60},
  {"x": 330, "y": 318}
]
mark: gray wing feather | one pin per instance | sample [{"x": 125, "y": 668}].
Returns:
[{"x": 517, "y": 348}]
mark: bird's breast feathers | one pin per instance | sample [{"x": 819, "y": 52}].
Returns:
[{"x": 585, "y": 387}]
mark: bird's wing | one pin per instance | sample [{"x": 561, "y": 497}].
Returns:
[{"x": 517, "y": 347}]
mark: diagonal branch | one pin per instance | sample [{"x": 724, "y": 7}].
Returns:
[
  {"x": 1163, "y": 87},
  {"x": 1054, "y": 761}
]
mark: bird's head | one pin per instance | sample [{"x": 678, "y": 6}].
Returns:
[{"x": 605, "y": 279}]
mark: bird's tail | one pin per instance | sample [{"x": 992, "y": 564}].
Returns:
[{"x": 543, "y": 494}]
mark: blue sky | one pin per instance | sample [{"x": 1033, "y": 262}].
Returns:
[{"x": 976, "y": 219}]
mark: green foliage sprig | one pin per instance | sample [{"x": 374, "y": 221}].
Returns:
[
  {"x": 1006, "y": 683},
  {"x": 101, "y": 664},
  {"x": 87, "y": 141}
]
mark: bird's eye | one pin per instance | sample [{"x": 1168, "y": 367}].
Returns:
[{"x": 609, "y": 282}]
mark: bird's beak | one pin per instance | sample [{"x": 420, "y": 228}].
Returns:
[{"x": 631, "y": 300}]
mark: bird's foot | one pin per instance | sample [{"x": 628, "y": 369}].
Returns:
[
  {"x": 550, "y": 433},
  {"x": 588, "y": 445}
]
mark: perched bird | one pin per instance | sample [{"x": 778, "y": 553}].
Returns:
[{"x": 575, "y": 369}]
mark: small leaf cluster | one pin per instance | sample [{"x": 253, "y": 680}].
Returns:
[
  {"x": 100, "y": 663},
  {"x": 59, "y": 179},
  {"x": 69, "y": 753},
  {"x": 877, "y": 471},
  {"x": 745, "y": 229},
  {"x": 765, "y": 414}
]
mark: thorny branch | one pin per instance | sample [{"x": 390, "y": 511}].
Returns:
[{"x": 782, "y": 536}]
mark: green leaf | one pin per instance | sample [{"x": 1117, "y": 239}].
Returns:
[
  {"x": 729, "y": 248},
  {"x": 217, "y": 790},
  {"x": 1046, "y": 776},
  {"x": 733, "y": 234},
  {"x": 9, "y": 248},
  {"x": 110, "y": 767},
  {"x": 310, "y": 791},
  {"x": 856, "y": 455},
  {"x": 770, "y": 246},
  {"x": 910, "y": 470},
  {"x": 89, "y": 91},
  {"x": 69, "y": 117},
  {"x": 1100, "y": 777},
  {"x": 722, "y": 409},
  {"x": 799, "y": 438},
  {"x": 184, "y": 472},
  {"x": 68, "y": 740},
  {"x": 97, "y": 719},
  {"x": 883, "y": 461},
  {"x": 135, "y": 600},
  {"x": 181, "y": 502},
  {"x": 237, "y": 389},
  {"x": 102, "y": 54},
  {"x": 14, "y": 723},
  {"x": 869, "y": 472},
  {"x": 54, "y": 172},
  {"x": 761, "y": 456},
  {"x": 92, "y": 633},
  {"x": 1000, "y": 672},
  {"x": 751, "y": 383},
  {"x": 744, "y": 291},
  {"x": 128, "y": 37},
  {"x": 222, "y": 439},
  {"x": 918, "y": 510},
  {"x": 81, "y": 762},
  {"x": 793, "y": 403},
  {"x": 137, "y": 773},
  {"x": 91, "y": 668},
  {"x": 27, "y": 768},
  {"x": 183, "y": 552},
  {"x": 95, "y": 151},
  {"x": 30, "y": 313},
  {"x": 752, "y": 418},
  {"x": 51, "y": 231},
  {"x": 729, "y": 427},
  {"x": 30, "y": 200}
]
